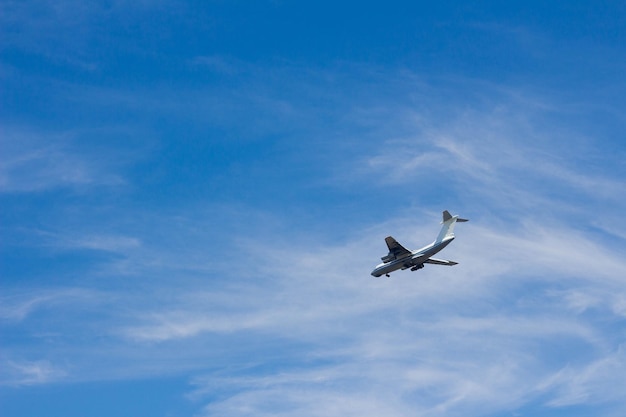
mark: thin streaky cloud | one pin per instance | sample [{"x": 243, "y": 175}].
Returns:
[
  {"x": 35, "y": 162},
  {"x": 281, "y": 316},
  {"x": 20, "y": 305},
  {"x": 513, "y": 168},
  {"x": 597, "y": 382},
  {"x": 30, "y": 373},
  {"x": 104, "y": 243},
  {"x": 244, "y": 311}
]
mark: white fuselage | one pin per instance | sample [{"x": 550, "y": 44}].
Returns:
[{"x": 415, "y": 259}]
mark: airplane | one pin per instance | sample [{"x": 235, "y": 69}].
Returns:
[{"x": 401, "y": 258}]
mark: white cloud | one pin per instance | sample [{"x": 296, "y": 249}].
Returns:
[
  {"x": 105, "y": 243},
  {"x": 600, "y": 381},
  {"x": 60, "y": 30},
  {"x": 34, "y": 162},
  {"x": 507, "y": 153},
  {"x": 21, "y": 304},
  {"x": 468, "y": 340},
  {"x": 30, "y": 373},
  {"x": 478, "y": 338}
]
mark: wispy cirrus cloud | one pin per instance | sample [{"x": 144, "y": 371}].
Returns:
[
  {"x": 596, "y": 382},
  {"x": 63, "y": 31},
  {"x": 523, "y": 286},
  {"x": 315, "y": 334},
  {"x": 30, "y": 373},
  {"x": 440, "y": 343},
  {"x": 19, "y": 305},
  {"x": 510, "y": 155},
  {"x": 34, "y": 162},
  {"x": 108, "y": 243}
]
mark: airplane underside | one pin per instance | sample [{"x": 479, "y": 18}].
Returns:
[{"x": 413, "y": 268}]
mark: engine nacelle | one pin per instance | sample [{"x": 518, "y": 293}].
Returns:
[{"x": 388, "y": 258}]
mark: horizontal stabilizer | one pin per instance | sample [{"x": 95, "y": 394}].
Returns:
[
  {"x": 435, "y": 261},
  {"x": 447, "y": 216}
]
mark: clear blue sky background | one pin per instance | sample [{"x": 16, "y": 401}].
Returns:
[{"x": 194, "y": 194}]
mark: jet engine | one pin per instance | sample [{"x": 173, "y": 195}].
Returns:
[{"x": 388, "y": 258}]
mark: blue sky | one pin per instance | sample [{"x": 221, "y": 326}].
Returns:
[{"x": 194, "y": 194}]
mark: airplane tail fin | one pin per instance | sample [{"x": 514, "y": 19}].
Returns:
[{"x": 447, "y": 230}]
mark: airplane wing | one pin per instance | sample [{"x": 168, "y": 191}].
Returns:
[
  {"x": 396, "y": 249},
  {"x": 440, "y": 262}
]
